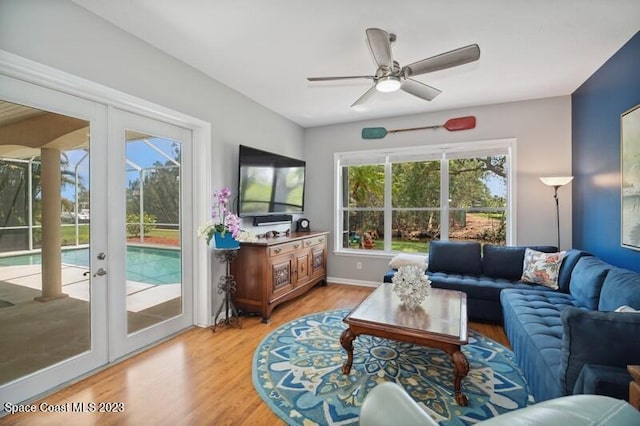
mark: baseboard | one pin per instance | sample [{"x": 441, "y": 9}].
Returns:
[{"x": 348, "y": 281}]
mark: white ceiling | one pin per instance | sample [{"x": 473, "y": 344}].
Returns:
[{"x": 266, "y": 49}]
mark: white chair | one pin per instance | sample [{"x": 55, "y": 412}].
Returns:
[{"x": 389, "y": 404}]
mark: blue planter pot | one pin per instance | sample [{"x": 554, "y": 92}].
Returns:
[{"x": 226, "y": 242}]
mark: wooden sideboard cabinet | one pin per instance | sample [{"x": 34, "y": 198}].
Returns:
[{"x": 274, "y": 270}]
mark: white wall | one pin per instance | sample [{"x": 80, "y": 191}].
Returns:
[
  {"x": 543, "y": 132},
  {"x": 65, "y": 36}
]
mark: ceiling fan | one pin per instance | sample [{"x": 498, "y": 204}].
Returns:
[{"x": 389, "y": 77}]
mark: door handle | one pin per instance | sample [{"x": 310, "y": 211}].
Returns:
[{"x": 100, "y": 271}]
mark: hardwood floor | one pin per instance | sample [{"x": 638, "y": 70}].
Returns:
[{"x": 198, "y": 377}]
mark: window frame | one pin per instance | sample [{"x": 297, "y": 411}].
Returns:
[{"x": 441, "y": 152}]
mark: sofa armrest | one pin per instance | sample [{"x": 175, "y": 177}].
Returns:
[{"x": 593, "y": 337}]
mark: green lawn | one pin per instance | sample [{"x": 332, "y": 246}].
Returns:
[
  {"x": 163, "y": 233},
  {"x": 409, "y": 246},
  {"x": 68, "y": 234},
  {"x": 401, "y": 245}
]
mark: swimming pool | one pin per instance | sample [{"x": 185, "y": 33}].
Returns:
[{"x": 147, "y": 265}]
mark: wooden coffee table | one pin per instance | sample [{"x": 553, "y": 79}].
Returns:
[{"x": 439, "y": 322}]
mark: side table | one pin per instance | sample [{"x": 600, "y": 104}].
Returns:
[
  {"x": 226, "y": 286},
  {"x": 634, "y": 386}
]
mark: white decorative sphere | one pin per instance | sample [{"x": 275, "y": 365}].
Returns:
[{"x": 411, "y": 285}]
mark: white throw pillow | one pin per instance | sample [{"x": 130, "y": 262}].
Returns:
[
  {"x": 627, "y": 309},
  {"x": 542, "y": 268},
  {"x": 404, "y": 259}
]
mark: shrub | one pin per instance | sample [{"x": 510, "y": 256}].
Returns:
[{"x": 133, "y": 224}]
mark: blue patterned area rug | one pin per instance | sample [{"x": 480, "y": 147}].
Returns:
[{"x": 297, "y": 372}]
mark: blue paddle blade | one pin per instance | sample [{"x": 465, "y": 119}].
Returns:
[{"x": 374, "y": 133}]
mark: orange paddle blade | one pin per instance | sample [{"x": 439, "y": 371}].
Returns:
[{"x": 460, "y": 123}]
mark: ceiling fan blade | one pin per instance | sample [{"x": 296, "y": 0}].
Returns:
[
  {"x": 419, "y": 89},
  {"x": 362, "y": 99},
  {"x": 380, "y": 46},
  {"x": 445, "y": 60},
  {"x": 349, "y": 77}
]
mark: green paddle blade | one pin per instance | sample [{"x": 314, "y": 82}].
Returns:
[{"x": 374, "y": 133}]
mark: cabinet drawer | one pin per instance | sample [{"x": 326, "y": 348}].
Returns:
[
  {"x": 315, "y": 241},
  {"x": 281, "y": 249}
]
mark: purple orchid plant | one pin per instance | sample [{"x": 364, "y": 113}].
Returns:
[{"x": 223, "y": 220}]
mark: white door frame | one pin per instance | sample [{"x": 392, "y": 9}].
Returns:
[{"x": 29, "y": 71}]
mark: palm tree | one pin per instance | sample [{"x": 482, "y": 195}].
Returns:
[{"x": 14, "y": 194}]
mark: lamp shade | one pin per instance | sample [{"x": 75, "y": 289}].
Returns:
[{"x": 556, "y": 180}]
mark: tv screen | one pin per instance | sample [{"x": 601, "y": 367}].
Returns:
[{"x": 269, "y": 183}]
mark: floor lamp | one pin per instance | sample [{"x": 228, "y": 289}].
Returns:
[{"x": 557, "y": 182}]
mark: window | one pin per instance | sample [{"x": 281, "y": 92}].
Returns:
[{"x": 399, "y": 200}]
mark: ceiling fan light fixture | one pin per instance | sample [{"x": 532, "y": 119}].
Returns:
[{"x": 388, "y": 84}]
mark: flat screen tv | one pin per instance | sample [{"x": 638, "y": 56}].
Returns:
[{"x": 269, "y": 183}]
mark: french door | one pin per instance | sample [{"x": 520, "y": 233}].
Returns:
[
  {"x": 95, "y": 235},
  {"x": 53, "y": 234},
  {"x": 148, "y": 185}
]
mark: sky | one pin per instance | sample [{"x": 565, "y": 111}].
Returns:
[{"x": 137, "y": 152}]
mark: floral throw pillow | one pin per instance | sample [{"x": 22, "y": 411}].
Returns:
[{"x": 542, "y": 268}]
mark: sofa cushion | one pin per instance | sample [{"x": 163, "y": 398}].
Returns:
[
  {"x": 455, "y": 257},
  {"x": 534, "y": 328},
  {"x": 620, "y": 287},
  {"x": 506, "y": 261},
  {"x": 586, "y": 281},
  {"x": 478, "y": 287},
  {"x": 568, "y": 263},
  {"x": 597, "y": 338},
  {"x": 542, "y": 268}
]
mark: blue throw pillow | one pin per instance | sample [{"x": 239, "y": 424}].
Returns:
[
  {"x": 506, "y": 261},
  {"x": 621, "y": 287},
  {"x": 568, "y": 263},
  {"x": 455, "y": 257},
  {"x": 586, "y": 281}
]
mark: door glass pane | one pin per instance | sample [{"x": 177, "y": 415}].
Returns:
[
  {"x": 44, "y": 239},
  {"x": 154, "y": 266},
  {"x": 478, "y": 199}
]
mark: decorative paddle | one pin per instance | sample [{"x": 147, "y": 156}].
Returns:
[{"x": 452, "y": 125}]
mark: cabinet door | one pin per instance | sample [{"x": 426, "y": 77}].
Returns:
[
  {"x": 281, "y": 275},
  {"x": 302, "y": 268},
  {"x": 318, "y": 261}
]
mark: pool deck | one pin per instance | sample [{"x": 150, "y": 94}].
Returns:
[{"x": 140, "y": 296}]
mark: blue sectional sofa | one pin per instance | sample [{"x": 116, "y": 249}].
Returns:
[
  {"x": 482, "y": 272},
  {"x": 567, "y": 341},
  {"x": 574, "y": 342}
]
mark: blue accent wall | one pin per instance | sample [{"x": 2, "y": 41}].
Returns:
[{"x": 596, "y": 109}]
